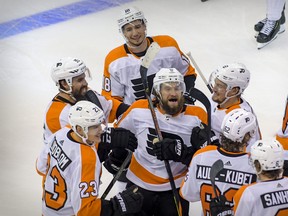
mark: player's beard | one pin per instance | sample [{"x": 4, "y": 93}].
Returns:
[
  {"x": 80, "y": 94},
  {"x": 172, "y": 110}
]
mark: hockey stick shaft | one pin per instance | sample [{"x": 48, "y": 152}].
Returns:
[
  {"x": 285, "y": 117},
  {"x": 143, "y": 71},
  {"x": 117, "y": 175},
  {"x": 215, "y": 169},
  {"x": 199, "y": 71}
]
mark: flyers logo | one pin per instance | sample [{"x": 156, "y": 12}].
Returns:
[{"x": 138, "y": 87}]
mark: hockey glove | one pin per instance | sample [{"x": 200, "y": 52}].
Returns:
[
  {"x": 199, "y": 137},
  {"x": 115, "y": 159},
  {"x": 119, "y": 138},
  {"x": 129, "y": 201},
  {"x": 221, "y": 207}
]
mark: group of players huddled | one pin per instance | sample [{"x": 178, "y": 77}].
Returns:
[{"x": 174, "y": 140}]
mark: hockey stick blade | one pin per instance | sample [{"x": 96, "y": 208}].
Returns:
[
  {"x": 200, "y": 96},
  {"x": 117, "y": 175},
  {"x": 152, "y": 51},
  {"x": 215, "y": 169},
  {"x": 92, "y": 97}
]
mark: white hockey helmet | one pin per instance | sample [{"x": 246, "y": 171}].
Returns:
[
  {"x": 68, "y": 68},
  {"x": 233, "y": 75},
  {"x": 166, "y": 75},
  {"x": 270, "y": 154},
  {"x": 85, "y": 114},
  {"x": 237, "y": 123},
  {"x": 129, "y": 15}
]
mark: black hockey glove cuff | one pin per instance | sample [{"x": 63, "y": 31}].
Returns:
[
  {"x": 221, "y": 207},
  {"x": 129, "y": 201},
  {"x": 119, "y": 138},
  {"x": 199, "y": 137},
  {"x": 115, "y": 159}
]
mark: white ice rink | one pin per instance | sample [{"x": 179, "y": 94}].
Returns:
[{"x": 216, "y": 32}]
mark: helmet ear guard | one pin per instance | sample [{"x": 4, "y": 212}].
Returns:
[
  {"x": 237, "y": 124},
  {"x": 270, "y": 154}
]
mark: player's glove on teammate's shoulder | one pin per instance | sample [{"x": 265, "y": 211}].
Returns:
[
  {"x": 199, "y": 137},
  {"x": 220, "y": 207},
  {"x": 119, "y": 138}
]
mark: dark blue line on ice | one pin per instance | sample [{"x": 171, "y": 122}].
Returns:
[{"x": 56, "y": 15}]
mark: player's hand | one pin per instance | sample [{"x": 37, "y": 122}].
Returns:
[
  {"x": 129, "y": 201},
  {"x": 115, "y": 159},
  {"x": 199, "y": 137},
  {"x": 168, "y": 149},
  {"x": 120, "y": 138},
  {"x": 220, "y": 207}
]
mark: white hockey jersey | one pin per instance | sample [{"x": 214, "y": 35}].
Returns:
[
  {"x": 197, "y": 185},
  {"x": 218, "y": 114},
  {"x": 121, "y": 78},
  {"x": 56, "y": 116},
  {"x": 145, "y": 169},
  {"x": 266, "y": 198},
  {"x": 71, "y": 177}
]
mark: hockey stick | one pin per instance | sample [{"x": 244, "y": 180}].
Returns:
[
  {"x": 200, "y": 96},
  {"x": 92, "y": 97},
  {"x": 199, "y": 71},
  {"x": 285, "y": 117},
  {"x": 117, "y": 175},
  {"x": 150, "y": 54},
  {"x": 215, "y": 169}
]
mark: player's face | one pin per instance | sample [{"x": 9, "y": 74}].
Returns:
[
  {"x": 219, "y": 91},
  {"x": 172, "y": 97},
  {"x": 135, "y": 32},
  {"x": 79, "y": 86},
  {"x": 94, "y": 134}
]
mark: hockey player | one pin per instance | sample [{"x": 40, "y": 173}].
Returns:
[
  {"x": 70, "y": 76},
  {"x": 176, "y": 122},
  {"x": 269, "y": 196},
  {"x": 273, "y": 24},
  {"x": 71, "y": 169},
  {"x": 229, "y": 82},
  {"x": 282, "y": 134},
  {"x": 237, "y": 128},
  {"x": 122, "y": 78}
]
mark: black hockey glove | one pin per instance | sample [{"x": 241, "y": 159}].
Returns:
[
  {"x": 115, "y": 159},
  {"x": 199, "y": 137},
  {"x": 119, "y": 138},
  {"x": 173, "y": 149},
  {"x": 221, "y": 207},
  {"x": 129, "y": 201}
]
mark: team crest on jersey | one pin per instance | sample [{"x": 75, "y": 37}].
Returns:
[{"x": 137, "y": 86}]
